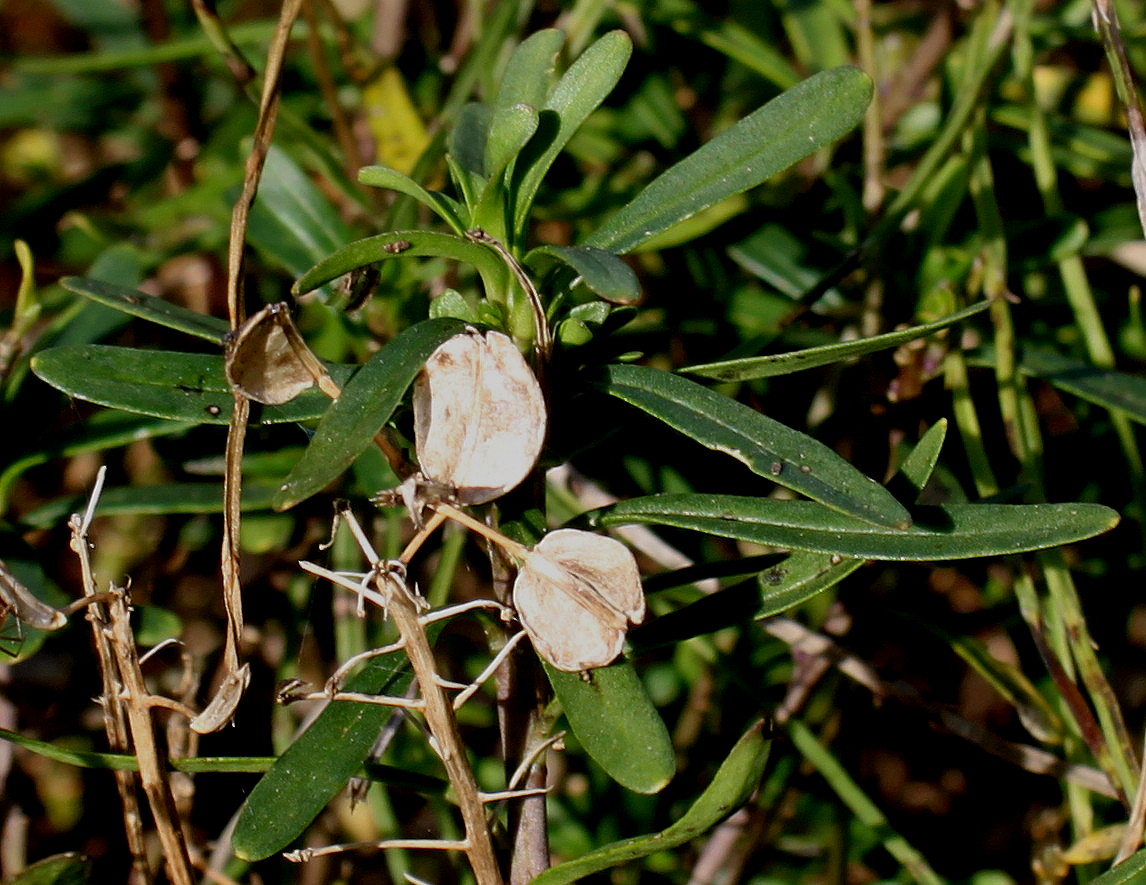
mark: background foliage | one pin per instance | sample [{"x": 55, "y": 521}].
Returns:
[{"x": 912, "y": 701}]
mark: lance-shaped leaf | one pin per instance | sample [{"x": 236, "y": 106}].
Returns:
[
  {"x": 749, "y": 368},
  {"x": 368, "y": 400},
  {"x": 953, "y": 531},
  {"x": 189, "y": 387},
  {"x": 731, "y": 787},
  {"x": 616, "y": 722},
  {"x": 767, "y": 447},
  {"x": 447, "y": 208},
  {"x": 319, "y": 763},
  {"x": 576, "y": 594},
  {"x": 407, "y": 243},
  {"x": 807, "y": 117},
  {"x": 1108, "y": 388},
  {"x": 576, "y": 95},
  {"x": 603, "y": 272},
  {"x": 479, "y": 416},
  {"x": 148, "y": 307}
]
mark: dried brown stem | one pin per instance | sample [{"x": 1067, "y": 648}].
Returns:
[{"x": 128, "y": 705}]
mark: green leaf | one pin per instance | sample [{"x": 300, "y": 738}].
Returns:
[
  {"x": 601, "y": 271},
  {"x": 189, "y": 387},
  {"x": 319, "y": 763},
  {"x": 577, "y": 94},
  {"x": 953, "y": 531},
  {"x": 807, "y": 117},
  {"x": 447, "y": 208},
  {"x": 617, "y": 724},
  {"x": 528, "y": 74},
  {"x": 197, "y": 497},
  {"x": 1113, "y": 390},
  {"x": 1128, "y": 872},
  {"x": 367, "y": 402},
  {"x": 918, "y": 466},
  {"x": 783, "y": 363},
  {"x": 731, "y": 787},
  {"x": 509, "y": 130},
  {"x": 769, "y": 448},
  {"x": 148, "y": 307},
  {"x": 292, "y": 221},
  {"x": 72, "y": 868},
  {"x": 403, "y": 243}
]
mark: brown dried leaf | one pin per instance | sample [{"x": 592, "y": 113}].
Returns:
[
  {"x": 479, "y": 416},
  {"x": 576, "y": 594}
]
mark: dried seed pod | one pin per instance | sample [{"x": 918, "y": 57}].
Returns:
[
  {"x": 576, "y": 594},
  {"x": 479, "y": 416},
  {"x": 18, "y": 600},
  {"x": 267, "y": 360}
]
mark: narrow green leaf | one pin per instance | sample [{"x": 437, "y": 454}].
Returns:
[
  {"x": 953, "y": 531},
  {"x": 1108, "y": 388},
  {"x": 148, "y": 307},
  {"x": 446, "y": 208},
  {"x": 918, "y": 466},
  {"x": 603, "y": 272},
  {"x": 798, "y": 578},
  {"x": 319, "y": 763},
  {"x": 1128, "y": 872},
  {"x": 857, "y": 801},
  {"x": 292, "y": 222},
  {"x": 403, "y": 243},
  {"x": 577, "y": 94},
  {"x": 197, "y": 497},
  {"x": 769, "y": 448},
  {"x": 617, "y": 724},
  {"x": 71, "y": 868},
  {"x": 807, "y": 117},
  {"x": 509, "y": 129},
  {"x": 815, "y": 33},
  {"x": 367, "y": 402},
  {"x": 731, "y": 787},
  {"x": 529, "y": 72},
  {"x": 750, "y": 368},
  {"x": 188, "y": 387}
]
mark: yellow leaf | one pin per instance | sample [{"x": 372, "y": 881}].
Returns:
[{"x": 398, "y": 130}]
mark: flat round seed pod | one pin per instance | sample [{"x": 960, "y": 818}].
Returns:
[
  {"x": 576, "y": 594},
  {"x": 479, "y": 416},
  {"x": 267, "y": 360}
]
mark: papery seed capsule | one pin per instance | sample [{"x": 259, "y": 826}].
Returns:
[
  {"x": 479, "y": 416},
  {"x": 266, "y": 359},
  {"x": 576, "y": 594}
]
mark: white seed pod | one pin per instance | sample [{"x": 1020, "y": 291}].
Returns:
[
  {"x": 479, "y": 416},
  {"x": 576, "y": 594}
]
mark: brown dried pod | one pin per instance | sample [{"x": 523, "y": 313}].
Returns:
[
  {"x": 576, "y": 594},
  {"x": 267, "y": 360},
  {"x": 479, "y": 416},
  {"x": 18, "y": 600}
]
